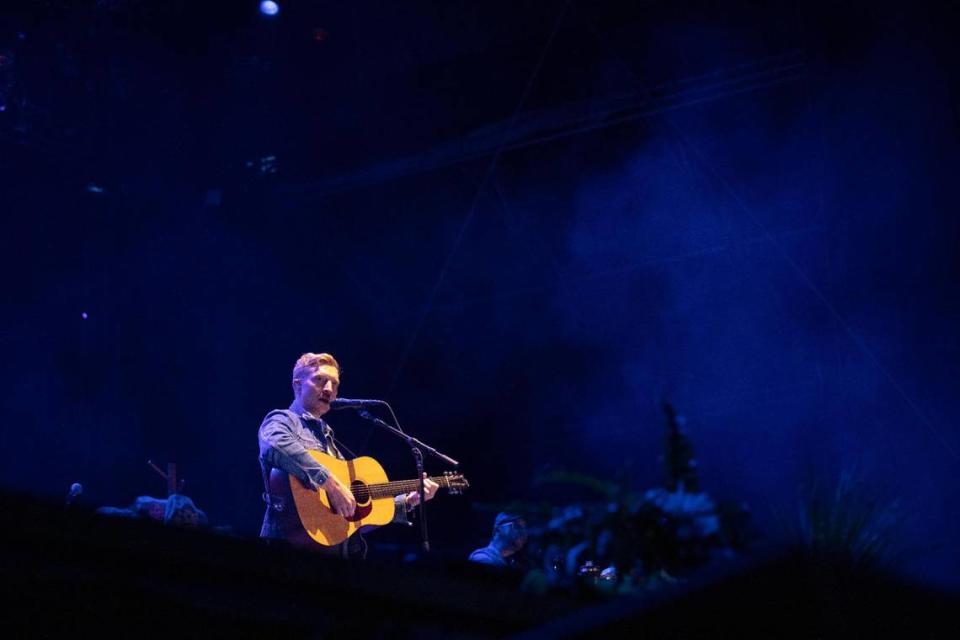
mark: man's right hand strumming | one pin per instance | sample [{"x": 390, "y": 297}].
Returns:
[{"x": 341, "y": 500}]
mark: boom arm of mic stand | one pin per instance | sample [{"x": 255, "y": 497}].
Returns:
[
  {"x": 413, "y": 442},
  {"x": 416, "y": 447}
]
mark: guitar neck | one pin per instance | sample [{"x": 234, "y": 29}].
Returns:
[{"x": 395, "y": 488}]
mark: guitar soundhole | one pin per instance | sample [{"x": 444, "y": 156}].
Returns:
[
  {"x": 360, "y": 492},
  {"x": 364, "y": 506}
]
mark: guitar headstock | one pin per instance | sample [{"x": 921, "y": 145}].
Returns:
[{"x": 455, "y": 482}]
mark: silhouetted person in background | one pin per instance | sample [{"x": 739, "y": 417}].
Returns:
[{"x": 509, "y": 538}]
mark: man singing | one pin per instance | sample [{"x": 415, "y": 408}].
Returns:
[{"x": 287, "y": 434}]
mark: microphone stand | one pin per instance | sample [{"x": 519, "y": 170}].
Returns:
[
  {"x": 418, "y": 459},
  {"x": 417, "y": 448}
]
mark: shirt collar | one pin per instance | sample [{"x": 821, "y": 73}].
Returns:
[{"x": 306, "y": 415}]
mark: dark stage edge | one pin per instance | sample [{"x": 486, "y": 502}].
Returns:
[{"x": 79, "y": 573}]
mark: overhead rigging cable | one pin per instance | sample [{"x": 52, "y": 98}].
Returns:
[{"x": 405, "y": 355}]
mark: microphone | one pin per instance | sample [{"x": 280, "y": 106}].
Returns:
[
  {"x": 75, "y": 490},
  {"x": 350, "y": 403}
]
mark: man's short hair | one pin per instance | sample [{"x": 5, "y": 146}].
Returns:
[{"x": 310, "y": 362}]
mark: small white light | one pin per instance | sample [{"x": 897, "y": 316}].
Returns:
[{"x": 269, "y": 8}]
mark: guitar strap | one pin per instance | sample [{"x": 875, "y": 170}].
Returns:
[
  {"x": 275, "y": 502},
  {"x": 344, "y": 447},
  {"x": 331, "y": 446}
]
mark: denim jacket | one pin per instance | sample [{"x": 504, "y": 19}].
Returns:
[{"x": 284, "y": 439}]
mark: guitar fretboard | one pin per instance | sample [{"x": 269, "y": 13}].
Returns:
[{"x": 391, "y": 489}]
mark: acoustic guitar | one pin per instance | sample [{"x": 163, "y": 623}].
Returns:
[{"x": 313, "y": 521}]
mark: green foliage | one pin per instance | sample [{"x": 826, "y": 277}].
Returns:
[
  {"x": 847, "y": 523},
  {"x": 607, "y": 489}
]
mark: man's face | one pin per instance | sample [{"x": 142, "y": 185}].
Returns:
[
  {"x": 515, "y": 533},
  {"x": 318, "y": 389}
]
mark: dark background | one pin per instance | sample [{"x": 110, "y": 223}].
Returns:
[{"x": 524, "y": 224}]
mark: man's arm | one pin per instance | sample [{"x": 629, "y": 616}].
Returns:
[
  {"x": 281, "y": 449},
  {"x": 400, "y": 510},
  {"x": 405, "y": 503}
]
